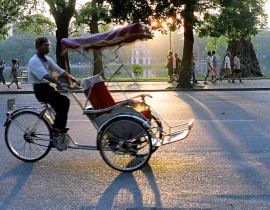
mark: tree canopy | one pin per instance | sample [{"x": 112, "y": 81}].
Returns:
[
  {"x": 10, "y": 10},
  {"x": 210, "y": 17},
  {"x": 238, "y": 20}
]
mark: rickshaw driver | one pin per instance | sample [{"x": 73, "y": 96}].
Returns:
[{"x": 40, "y": 67}]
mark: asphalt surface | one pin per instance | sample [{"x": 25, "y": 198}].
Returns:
[
  {"x": 246, "y": 85},
  {"x": 223, "y": 164}
]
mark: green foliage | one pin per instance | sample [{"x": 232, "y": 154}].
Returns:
[
  {"x": 236, "y": 20},
  {"x": 37, "y": 24},
  {"x": 137, "y": 69},
  {"x": 21, "y": 46},
  {"x": 10, "y": 10},
  {"x": 216, "y": 43},
  {"x": 86, "y": 13}
]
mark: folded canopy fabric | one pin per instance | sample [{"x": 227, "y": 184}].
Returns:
[{"x": 127, "y": 34}]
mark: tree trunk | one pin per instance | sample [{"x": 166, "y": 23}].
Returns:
[
  {"x": 62, "y": 13},
  {"x": 97, "y": 53},
  {"x": 186, "y": 65},
  {"x": 249, "y": 63},
  {"x": 62, "y": 60}
]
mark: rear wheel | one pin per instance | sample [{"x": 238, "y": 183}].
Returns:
[
  {"x": 27, "y": 136},
  {"x": 125, "y": 144}
]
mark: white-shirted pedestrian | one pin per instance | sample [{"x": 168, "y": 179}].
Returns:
[
  {"x": 227, "y": 66},
  {"x": 237, "y": 67}
]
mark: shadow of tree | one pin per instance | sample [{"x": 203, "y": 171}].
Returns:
[{"x": 21, "y": 173}]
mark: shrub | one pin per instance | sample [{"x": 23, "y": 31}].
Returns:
[{"x": 137, "y": 69}]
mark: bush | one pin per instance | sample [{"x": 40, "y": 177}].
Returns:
[{"x": 137, "y": 69}]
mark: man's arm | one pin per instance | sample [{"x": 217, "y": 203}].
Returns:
[{"x": 53, "y": 80}]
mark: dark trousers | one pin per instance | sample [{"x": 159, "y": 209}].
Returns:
[{"x": 60, "y": 103}]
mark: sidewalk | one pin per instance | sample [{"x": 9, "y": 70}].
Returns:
[{"x": 256, "y": 84}]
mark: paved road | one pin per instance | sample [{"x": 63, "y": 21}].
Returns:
[
  {"x": 224, "y": 163},
  {"x": 256, "y": 84}
]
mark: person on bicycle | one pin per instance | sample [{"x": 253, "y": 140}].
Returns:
[{"x": 40, "y": 68}]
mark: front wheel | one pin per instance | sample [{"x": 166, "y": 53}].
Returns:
[
  {"x": 27, "y": 136},
  {"x": 125, "y": 144}
]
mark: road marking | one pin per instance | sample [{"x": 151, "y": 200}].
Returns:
[
  {"x": 197, "y": 101},
  {"x": 218, "y": 120}
]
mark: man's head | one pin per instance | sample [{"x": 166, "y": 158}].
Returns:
[
  {"x": 14, "y": 61},
  {"x": 43, "y": 45},
  {"x": 213, "y": 52},
  {"x": 175, "y": 55}
]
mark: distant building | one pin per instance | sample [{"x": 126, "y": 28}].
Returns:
[{"x": 140, "y": 54}]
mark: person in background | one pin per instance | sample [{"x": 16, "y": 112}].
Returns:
[
  {"x": 214, "y": 58},
  {"x": 210, "y": 68},
  {"x": 194, "y": 81},
  {"x": 14, "y": 73},
  {"x": 237, "y": 67},
  {"x": 177, "y": 66},
  {"x": 227, "y": 66},
  {"x": 2, "y": 67},
  {"x": 170, "y": 66}
]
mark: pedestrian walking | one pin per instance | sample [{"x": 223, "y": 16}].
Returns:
[
  {"x": 177, "y": 65},
  {"x": 170, "y": 66},
  {"x": 2, "y": 67},
  {"x": 237, "y": 68},
  {"x": 210, "y": 68},
  {"x": 227, "y": 66},
  {"x": 194, "y": 81},
  {"x": 214, "y": 60},
  {"x": 14, "y": 73}
]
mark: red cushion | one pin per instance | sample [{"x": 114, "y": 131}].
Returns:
[{"x": 100, "y": 97}]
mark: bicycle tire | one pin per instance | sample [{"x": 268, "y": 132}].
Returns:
[
  {"x": 155, "y": 124},
  {"x": 125, "y": 144},
  {"x": 22, "y": 141}
]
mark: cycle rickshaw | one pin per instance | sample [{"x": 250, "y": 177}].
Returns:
[{"x": 128, "y": 131}]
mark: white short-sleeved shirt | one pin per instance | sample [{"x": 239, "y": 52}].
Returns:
[
  {"x": 237, "y": 64},
  {"x": 38, "y": 68},
  {"x": 227, "y": 62},
  {"x": 174, "y": 63},
  {"x": 209, "y": 62}
]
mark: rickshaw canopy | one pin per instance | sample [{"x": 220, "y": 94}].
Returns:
[{"x": 127, "y": 34}]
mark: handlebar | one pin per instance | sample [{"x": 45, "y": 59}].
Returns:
[{"x": 75, "y": 85}]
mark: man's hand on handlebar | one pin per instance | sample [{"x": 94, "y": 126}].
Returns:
[{"x": 75, "y": 85}]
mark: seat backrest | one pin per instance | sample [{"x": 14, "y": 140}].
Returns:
[{"x": 100, "y": 97}]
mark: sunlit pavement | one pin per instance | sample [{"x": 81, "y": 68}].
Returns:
[
  {"x": 223, "y": 164},
  {"x": 261, "y": 84}
]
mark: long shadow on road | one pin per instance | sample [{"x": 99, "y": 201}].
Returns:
[
  {"x": 234, "y": 144},
  {"x": 21, "y": 173}
]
